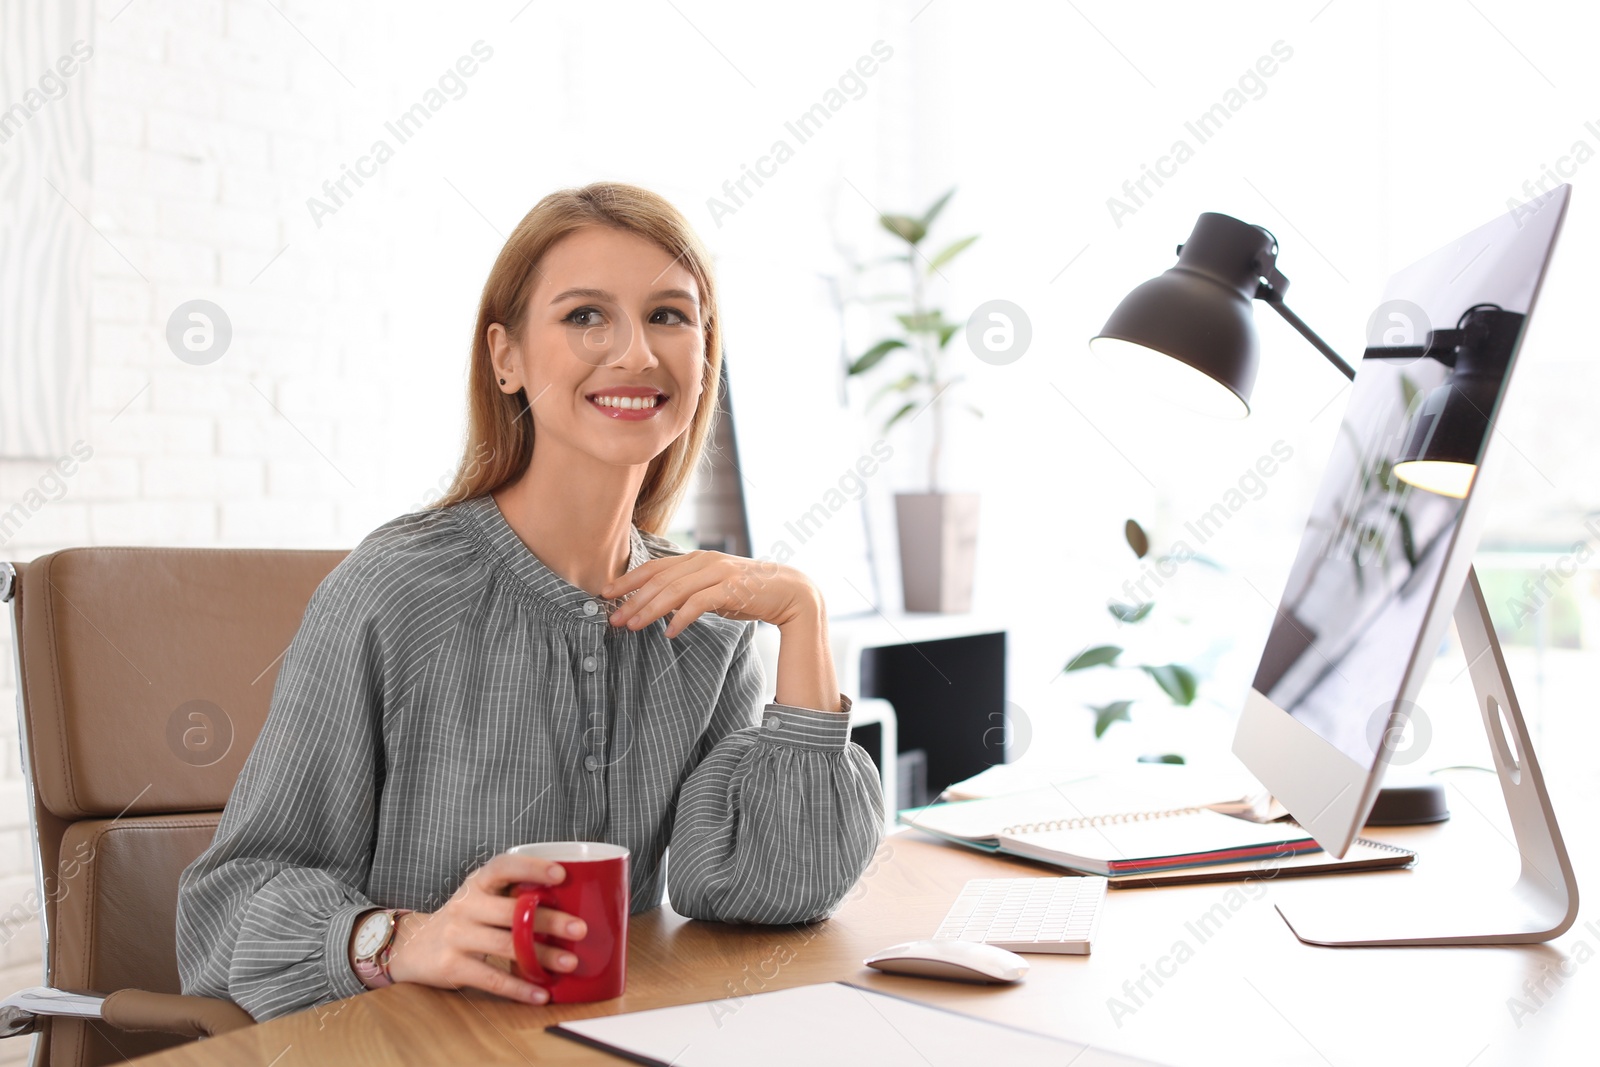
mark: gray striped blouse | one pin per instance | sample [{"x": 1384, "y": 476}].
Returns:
[{"x": 448, "y": 696}]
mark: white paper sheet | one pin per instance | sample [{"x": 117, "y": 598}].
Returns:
[{"x": 829, "y": 1023}]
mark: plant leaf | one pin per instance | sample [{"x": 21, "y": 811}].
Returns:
[
  {"x": 947, "y": 331},
  {"x": 951, "y": 251},
  {"x": 1176, "y": 681},
  {"x": 938, "y": 206},
  {"x": 923, "y": 321},
  {"x": 1098, "y": 656},
  {"x": 1138, "y": 540},
  {"x": 1408, "y": 390},
  {"x": 973, "y": 408},
  {"x": 1129, "y": 612},
  {"x": 1165, "y": 757},
  {"x": 1408, "y": 540},
  {"x": 899, "y": 385},
  {"x": 872, "y": 356},
  {"x": 897, "y": 416},
  {"x": 904, "y": 227},
  {"x": 1106, "y": 714}
]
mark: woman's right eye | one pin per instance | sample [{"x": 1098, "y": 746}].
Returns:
[{"x": 576, "y": 317}]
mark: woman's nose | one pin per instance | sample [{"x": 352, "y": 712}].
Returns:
[{"x": 630, "y": 346}]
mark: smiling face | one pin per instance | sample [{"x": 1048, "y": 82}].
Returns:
[{"x": 611, "y": 352}]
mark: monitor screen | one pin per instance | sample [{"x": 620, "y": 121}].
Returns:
[{"x": 1346, "y": 644}]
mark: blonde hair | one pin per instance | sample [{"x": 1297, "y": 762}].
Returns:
[{"x": 499, "y": 443}]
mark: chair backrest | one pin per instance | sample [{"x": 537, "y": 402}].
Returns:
[{"x": 144, "y": 676}]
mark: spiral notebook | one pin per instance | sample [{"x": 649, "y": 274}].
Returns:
[
  {"x": 1058, "y": 828},
  {"x": 1362, "y": 855}
]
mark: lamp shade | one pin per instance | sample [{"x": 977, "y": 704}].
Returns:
[
  {"x": 1191, "y": 331},
  {"x": 1449, "y": 429}
]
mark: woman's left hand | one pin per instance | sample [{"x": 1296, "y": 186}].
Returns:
[{"x": 694, "y": 583}]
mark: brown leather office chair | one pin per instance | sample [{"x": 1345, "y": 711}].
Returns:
[{"x": 143, "y": 678}]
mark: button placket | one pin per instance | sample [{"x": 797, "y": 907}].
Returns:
[{"x": 594, "y": 696}]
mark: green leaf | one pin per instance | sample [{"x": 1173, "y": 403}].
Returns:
[
  {"x": 951, "y": 251},
  {"x": 947, "y": 331},
  {"x": 974, "y": 409},
  {"x": 897, "y": 416},
  {"x": 1098, "y": 656},
  {"x": 1106, "y": 714},
  {"x": 899, "y": 385},
  {"x": 904, "y": 227},
  {"x": 1177, "y": 682},
  {"x": 938, "y": 206},
  {"x": 1408, "y": 540},
  {"x": 1165, "y": 757},
  {"x": 923, "y": 321},
  {"x": 1129, "y": 612},
  {"x": 1138, "y": 540},
  {"x": 1408, "y": 391},
  {"x": 1386, "y": 477},
  {"x": 874, "y": 355}
]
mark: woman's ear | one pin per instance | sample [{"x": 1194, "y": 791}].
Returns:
[{"x": 504, "y": 357}]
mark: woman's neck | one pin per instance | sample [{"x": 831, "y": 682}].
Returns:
[{"x": 574, "y": 513}]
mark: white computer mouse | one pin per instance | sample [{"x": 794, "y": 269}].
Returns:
[{"x": 961, "y": 961}]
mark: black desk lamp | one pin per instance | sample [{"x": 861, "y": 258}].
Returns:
[
  {"x": 1190, "y": 334},
  {"x": 1199, "y": 315}
]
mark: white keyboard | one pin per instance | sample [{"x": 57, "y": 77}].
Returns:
[{"x": 1027, "y": 914}]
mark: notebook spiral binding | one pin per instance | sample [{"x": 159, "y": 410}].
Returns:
[
  {"x": 1086, "y": 821},
  {"x": 1379, "y": 844}
]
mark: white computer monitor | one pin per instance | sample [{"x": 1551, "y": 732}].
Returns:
[{"x": 1382, "y": 563}]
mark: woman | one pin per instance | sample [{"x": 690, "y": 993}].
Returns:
[{"x": 528, "y": 660}]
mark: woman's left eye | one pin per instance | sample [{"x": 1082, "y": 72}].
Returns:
[{"x": 679, "y": 317}]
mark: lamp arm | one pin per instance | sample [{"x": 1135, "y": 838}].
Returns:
[{"x": 1275, "y": 299}]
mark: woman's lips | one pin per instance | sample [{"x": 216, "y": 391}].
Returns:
[{"x": 626, "y": 408}]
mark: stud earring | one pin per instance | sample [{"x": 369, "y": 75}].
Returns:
[{"x": 502, "y": 381}]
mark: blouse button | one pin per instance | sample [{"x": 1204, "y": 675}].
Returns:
[
  {"x": 590, "y": 663},
  {"x": 590, "y": 607},
  {"x": 590, "y": 763}
]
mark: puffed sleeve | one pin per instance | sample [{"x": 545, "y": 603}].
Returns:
[
  {"x": 782, "y": 813},
  {"x": 265, "y": 913}
]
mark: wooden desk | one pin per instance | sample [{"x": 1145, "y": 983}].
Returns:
[{"x": 1234, "y": 988}]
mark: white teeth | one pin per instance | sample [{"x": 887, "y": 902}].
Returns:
[{"x": 632, "y": 403}]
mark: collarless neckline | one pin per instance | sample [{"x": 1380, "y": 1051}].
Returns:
[{"x": 509, "y": 549}]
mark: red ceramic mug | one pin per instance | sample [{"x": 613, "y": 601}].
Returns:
[{"x": 596, "y": 891}]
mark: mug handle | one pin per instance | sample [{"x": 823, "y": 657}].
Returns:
[{"x": 528, "y": 901}]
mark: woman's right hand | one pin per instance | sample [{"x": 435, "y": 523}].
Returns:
[{"x": 446, "y": 948}]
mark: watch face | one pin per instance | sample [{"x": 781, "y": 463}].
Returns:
[{"x": 371, "y": 934}]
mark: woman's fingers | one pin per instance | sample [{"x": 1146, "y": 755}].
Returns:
[
  {"x": 558, "y": 924},
  {"x": 633, "y": 579},
  {"x": 511, "y": 868},
  {"x": 486, "y": 940},
  {"x": 667, "y": 590},
  {"x": 696, "y": 606},
  {"x": 480, "y": 975},
  {"x": 555, "y": 958}
]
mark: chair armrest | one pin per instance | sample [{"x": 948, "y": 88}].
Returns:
[
  {"x": 170, "y": 1013},
  {"x": 126, "y": 1009},
  {"x": 21, "y": 1011}
]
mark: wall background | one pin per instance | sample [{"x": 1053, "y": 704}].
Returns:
[{"x": 337, "y": 404}]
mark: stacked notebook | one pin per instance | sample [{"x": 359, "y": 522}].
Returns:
[{"x": 1136, "y": 831}]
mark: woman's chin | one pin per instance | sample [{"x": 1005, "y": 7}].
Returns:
[{"x": 626, "y": 454}]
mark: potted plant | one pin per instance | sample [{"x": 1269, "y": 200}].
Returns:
[{"x": 938, "y": 530}]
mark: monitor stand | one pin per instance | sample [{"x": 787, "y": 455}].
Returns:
[{"x": 1544, "y": 901}]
